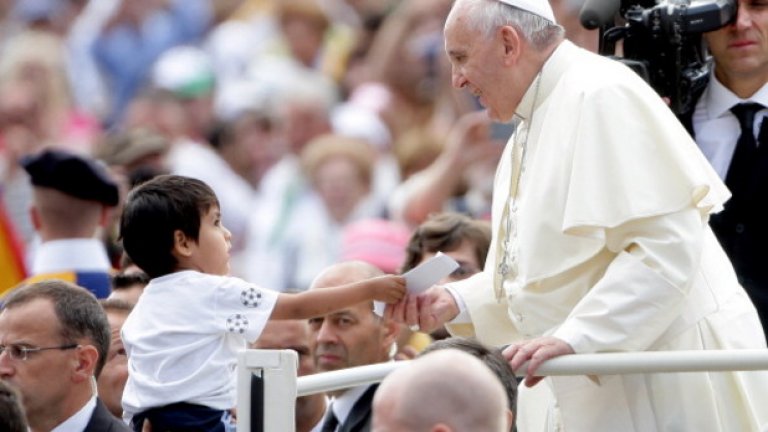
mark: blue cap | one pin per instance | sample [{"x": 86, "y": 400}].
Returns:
[{"x": 73, "y": 175}]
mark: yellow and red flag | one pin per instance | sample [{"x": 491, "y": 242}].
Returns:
[{"x": 12, "y": 269}]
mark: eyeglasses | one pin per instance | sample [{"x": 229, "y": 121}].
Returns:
[{"x": 20, "y": 352}]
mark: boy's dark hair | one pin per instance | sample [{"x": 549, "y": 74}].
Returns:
[
  {"x": 445, "y": 232},
  {"x": 127, "y": 280},
  {"x": 154, "y": 211}
]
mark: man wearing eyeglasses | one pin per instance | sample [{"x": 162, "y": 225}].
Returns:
[{"x": 54, "y": 338}]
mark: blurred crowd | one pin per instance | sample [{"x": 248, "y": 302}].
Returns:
[{"x": 327, "y": 128}]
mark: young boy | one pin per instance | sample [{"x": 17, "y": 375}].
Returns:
[{"x": 182, "y": 336}]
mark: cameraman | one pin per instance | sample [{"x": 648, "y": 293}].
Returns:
[{"x": 739, "y": 76}]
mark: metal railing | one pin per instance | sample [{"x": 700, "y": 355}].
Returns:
[{"x": 276, "y": 371}]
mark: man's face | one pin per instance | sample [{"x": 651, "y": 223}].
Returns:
[
  {"x": 478, "y": 64},
  {"x": 740, "y": 49},
  {"x": 292, "y": 335},
  {"x": 44, "y": 379},
  {"x": 113, "y": 376},
  {"x": 351, "y": 337},
  {"x": 341, "y": 186}
]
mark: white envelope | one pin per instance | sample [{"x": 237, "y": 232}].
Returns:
[{"x": 423, "y": 276}]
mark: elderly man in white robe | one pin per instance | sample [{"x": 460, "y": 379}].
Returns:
[{"x": 600, "y": 236}]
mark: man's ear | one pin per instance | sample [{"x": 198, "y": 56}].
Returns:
[
  {"x": 104, "y": 216},
  {"x": 512, "y": 42},
  {"x": 86, "y": 359},
  {"x": 34, "y": 215},
  {"x": 391, "y": 331},
  {"x": 182, "y": 245},
  {"x": 510, "y": 419}
]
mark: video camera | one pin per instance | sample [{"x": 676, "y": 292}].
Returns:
[{"x": 661, "y": 40}]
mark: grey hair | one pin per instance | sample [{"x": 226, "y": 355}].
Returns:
[
  {"x": 79, "y": 314},
  {"x": 485, "y": 16}
]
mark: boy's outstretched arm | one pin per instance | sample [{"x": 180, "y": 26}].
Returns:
[{"x": 318, "y": 302}]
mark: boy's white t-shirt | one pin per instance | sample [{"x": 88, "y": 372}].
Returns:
[{"x": 182, "y": 338}]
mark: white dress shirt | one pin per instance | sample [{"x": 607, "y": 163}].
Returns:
[
  {"x": 716, "y": 128},
  {"x": 79, "y": 420},
  {"x": 343, "y": 404}
]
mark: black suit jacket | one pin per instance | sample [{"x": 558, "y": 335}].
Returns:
[
  {"x": 359, "y": 419},
  {"x": 741, "y": 227},
  {"x": 686, "y": 118},
  {"x": 103, "y": 421}
]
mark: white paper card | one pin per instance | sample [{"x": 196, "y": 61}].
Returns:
[{"x": 423, "y": 276}]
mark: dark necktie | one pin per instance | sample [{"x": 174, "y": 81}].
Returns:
[
  {"x": 744, "y": 156},
  {"x": 330, "y": 421}
]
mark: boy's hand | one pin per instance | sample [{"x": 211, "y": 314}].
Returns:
[
  {"x": 388, "y": 289},
  {"x": 425, "y": 312}
]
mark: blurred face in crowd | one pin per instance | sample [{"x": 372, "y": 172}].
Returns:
[
  {"x": 294, "y": 335},
  {"x": 158, "y": 111},
  {"x": 304, "y": 34},
  {"x": 465, "y": 256},
  {"x": 253, "y": 149},
  {"x": 21, "y": 125},
  {"x": 302, "y": 121},
  {"x": 740, "y": 48},
  {"x": 340, "y": 185},
  {"x": 113, "y": 376},
  {"x": 198, "y": 111}
]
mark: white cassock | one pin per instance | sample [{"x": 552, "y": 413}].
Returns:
[{"x": 609, "y": 250}]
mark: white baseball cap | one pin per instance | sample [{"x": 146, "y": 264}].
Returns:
[
  {"x": 541, "y": 8},
  {"x": 185, "y": 70}
]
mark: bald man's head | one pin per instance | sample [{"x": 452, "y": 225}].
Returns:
[
  {"x": 353, "y": 336},
  {"x": 344, "y": 273},
  {"x": 447, "y": 390}
]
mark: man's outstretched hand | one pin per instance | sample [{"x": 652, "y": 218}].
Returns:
[{"x": 425, "y": 312}]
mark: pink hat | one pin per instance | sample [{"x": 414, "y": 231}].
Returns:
[{"x": 377, "y": 241}]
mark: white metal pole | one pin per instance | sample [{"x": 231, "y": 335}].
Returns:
[
  {"x": 345, "y": 378},
  {"x": 655, "y": 362},
  {"x": 577, "y": 364}
]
